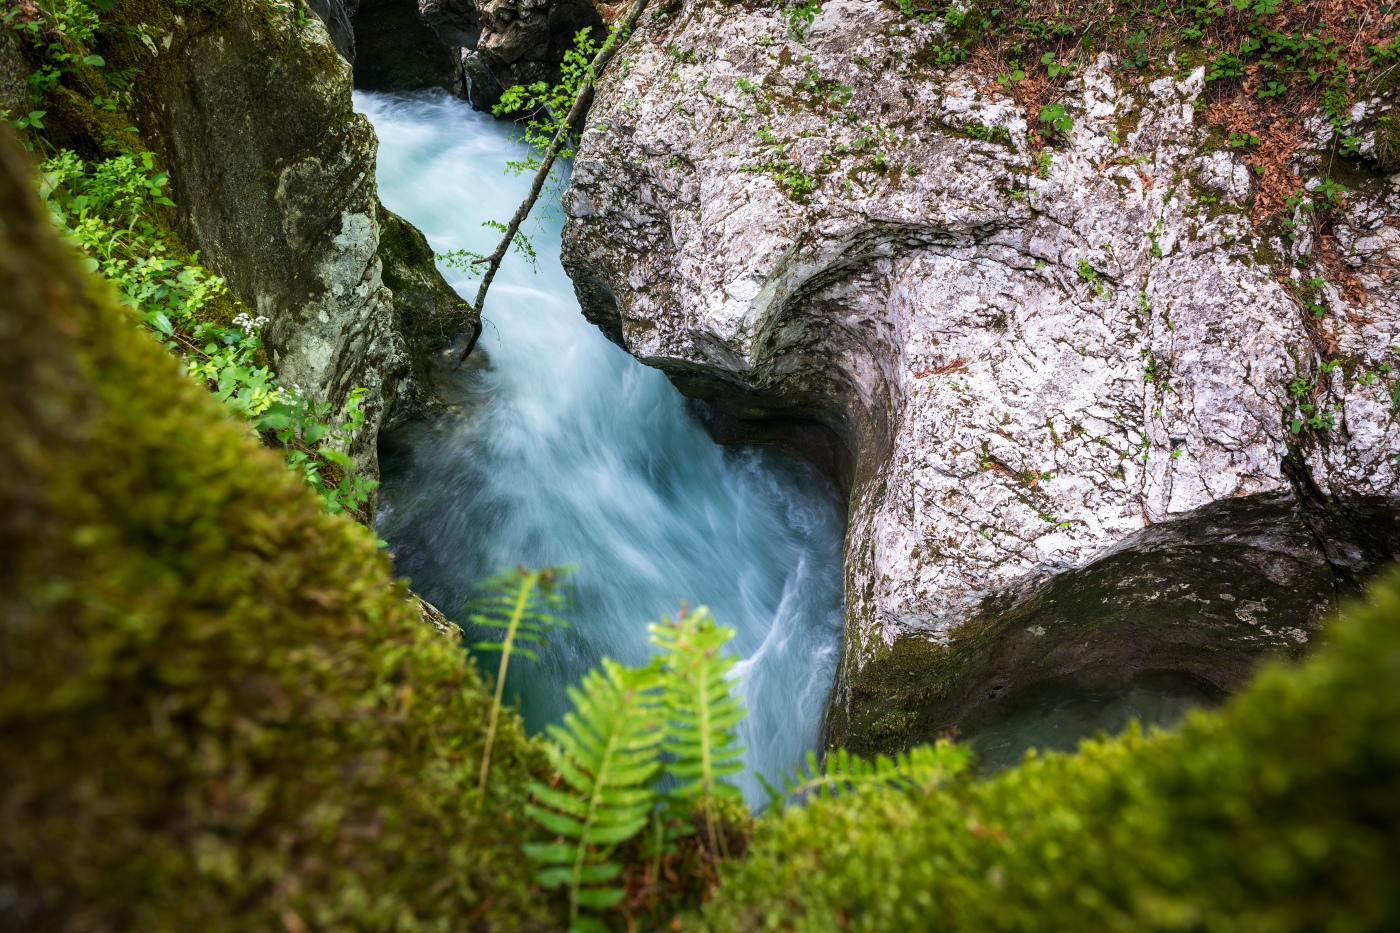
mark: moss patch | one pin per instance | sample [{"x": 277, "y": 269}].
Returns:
[{"x": 217, "y": 711}]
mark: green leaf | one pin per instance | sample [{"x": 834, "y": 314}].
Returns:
[
  {"x": 702, "y": 711},
  {"x": 605, "y": 754}
]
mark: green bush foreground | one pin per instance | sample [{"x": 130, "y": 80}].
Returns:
[
  {"x": 1280, "y": 812},
  {"x": 217, "y": 712}
]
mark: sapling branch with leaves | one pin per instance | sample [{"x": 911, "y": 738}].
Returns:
[{"x": 583, "y": 79}]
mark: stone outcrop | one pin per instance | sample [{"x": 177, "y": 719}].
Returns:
[
  {"x": 272, "y": 173},
  {"x": 1064, "y": 388}
]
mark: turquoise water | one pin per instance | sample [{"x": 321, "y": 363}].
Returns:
[{"x": 563, "y": 449}]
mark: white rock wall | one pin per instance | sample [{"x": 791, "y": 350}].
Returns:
[{"x": 1053, "y": 356}]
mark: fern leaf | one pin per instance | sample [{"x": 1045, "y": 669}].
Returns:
[
  {"x": 702, "y": 711},
  {"x": 511, "y": 600},
  {"x": 605, "y": 754},
  {"x": 923, "y": 767}
]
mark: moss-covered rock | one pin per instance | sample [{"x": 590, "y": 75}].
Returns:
[
  {"x": 1204, "y": 599},
  {"x": 1277, "y": 813},
  {"x": 217, "y": 711},
  {"x": 424, "y": 306},
  {"x": 247, "y": 105}
]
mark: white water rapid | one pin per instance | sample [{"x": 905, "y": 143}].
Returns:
[{"x": 565, "y": 450}]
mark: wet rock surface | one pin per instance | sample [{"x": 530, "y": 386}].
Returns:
[{"x": 1036, "y": 372}]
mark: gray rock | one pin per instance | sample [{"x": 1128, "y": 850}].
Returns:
[
  {"x": 455, "y": 22},
  {"x": 1017, "y": 368},
  {"x": 337, "y": 19},
  {"x": 14, "y": 75}
]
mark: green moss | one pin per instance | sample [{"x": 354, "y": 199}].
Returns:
[
  {"x": 217, "y": 711},
  {"x": 1277, "y": 813},
  {"x": 428, "y": 314}
]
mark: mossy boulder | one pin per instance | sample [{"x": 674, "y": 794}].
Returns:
[
  {"x": 1278, "y": 813},
  {"x": 217, "y": 709},
  {"x": 424, "y": 306}
]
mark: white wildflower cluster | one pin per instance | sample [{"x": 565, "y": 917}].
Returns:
[{"x": 249, "y": 325}]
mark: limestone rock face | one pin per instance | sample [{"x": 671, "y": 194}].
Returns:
[{"x": 1020, "y": 363}]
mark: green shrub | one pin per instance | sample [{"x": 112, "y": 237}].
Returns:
[
  {"x": 1280, "y": 812},
  {"x": 217, "y": 711}
]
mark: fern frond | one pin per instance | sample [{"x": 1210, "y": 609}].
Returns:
[
  {"x": 923, "y": 767},
  {"x": 605, "y": 754},
  {"x": 513, "y": 600},
  {"x": 702, "y": 711}
]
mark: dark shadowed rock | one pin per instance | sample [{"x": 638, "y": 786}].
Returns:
[
  {"x": 398, "y": 51},
  {"x": 523, "y": 41},
  {"x": 337, "y": 19},
  {"x": 455, "y": 22}
]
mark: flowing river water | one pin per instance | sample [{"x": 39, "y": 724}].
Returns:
[{"x": 563, "y": 449}]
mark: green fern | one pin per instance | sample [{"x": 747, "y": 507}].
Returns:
[
  {"x": 606, "y": 757},
  {"x": 514, "y": 600},
  {"x": 923, "y": 767},
  {"x": 702, "y": 712}
]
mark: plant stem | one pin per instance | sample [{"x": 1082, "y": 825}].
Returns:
[
  {"x": 575, "y": 115},
  {"x": 522, "y": 600}
]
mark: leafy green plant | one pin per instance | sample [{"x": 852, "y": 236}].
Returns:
[
  {"x": 1054, "y": 68},
  {"x": 605, "y": 754},
  {"x": 315, "y": 447},
  {"x": 1089, "y": 274},
  {"x": 516, "y": 601},
  {"x": 1056, "y": 116},
  {"x": 797, "y": 184},
  {"x": 923, "y": 767},
  {"x": 701, "y": 711},
  {"x": 58, "y": 30},
  {"x": 109, "y": 211},
  {"x": 800, "y": 17}
]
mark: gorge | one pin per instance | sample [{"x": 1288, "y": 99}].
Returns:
[{"x": 1009, "y": 377}]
